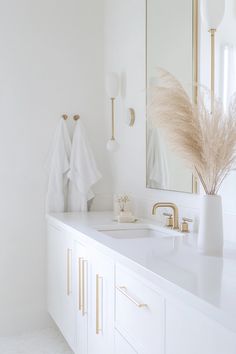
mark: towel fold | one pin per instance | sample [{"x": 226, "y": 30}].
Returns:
[
  {"x": 83, "y": 171},
  {"x": 58, "y": 172}
]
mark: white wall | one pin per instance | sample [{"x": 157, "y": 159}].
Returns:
[
  {"x": 125, "y": 54},
  {"x": 52, "y": 62}
]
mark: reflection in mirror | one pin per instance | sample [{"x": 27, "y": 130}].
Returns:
[
  {"x": 225, "y": 78},
  {"x": 170, "y": 45}
]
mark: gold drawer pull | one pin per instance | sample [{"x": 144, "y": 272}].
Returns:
[
  {"x": 123, "y": 291},
  {"x": 98, "y": 302},
  {"x": 81, "y": 283},
  {"x": 69, "y": 271},
  {"x": 83, "y": 287}
]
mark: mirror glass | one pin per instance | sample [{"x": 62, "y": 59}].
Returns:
[{"x": 170, "y": 45}]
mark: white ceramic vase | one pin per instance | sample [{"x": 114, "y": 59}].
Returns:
[{"x": 210, "y": 236}]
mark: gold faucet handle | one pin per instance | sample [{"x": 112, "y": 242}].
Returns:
[
  {"x": 167, "y": 214},
  {"x": 187, "y": 219},
  {"x": 169, "y": 220},
  {"x": 184, "y": 227}
]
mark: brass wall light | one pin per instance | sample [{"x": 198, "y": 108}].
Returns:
[
  {"x": 112, "y": 87},
  {"x": 213, "y": 13},
  {"x": 130, "y": 117}
]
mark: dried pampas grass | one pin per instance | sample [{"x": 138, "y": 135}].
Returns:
[{"x": 207, "y": 141}]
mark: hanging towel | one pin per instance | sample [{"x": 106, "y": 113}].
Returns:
[
  {"x": 83, "y": 171},
  {"x": 157, "y": 166},
  {"x": 56, "y": 200}
]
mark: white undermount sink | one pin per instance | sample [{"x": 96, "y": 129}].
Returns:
[{"x": 135, "y": 231}]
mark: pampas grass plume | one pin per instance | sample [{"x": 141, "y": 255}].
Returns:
[{"x": 205, "y": 139}]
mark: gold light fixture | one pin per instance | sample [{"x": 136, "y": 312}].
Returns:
[
  {"x": 130, "y": 117},
  {"x": 213, "y": 13},
  {"x": 112, "y": 86}
]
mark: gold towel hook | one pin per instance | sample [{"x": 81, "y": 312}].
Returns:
[
  {"x": 76, "y": 117},
  {"x": 65, "y": 116}
]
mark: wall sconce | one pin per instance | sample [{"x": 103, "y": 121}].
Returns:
[
  {"x": 213, "y": 13},
  {"x": 130, "y": 117},
  {"x": 112, "y": 87}
]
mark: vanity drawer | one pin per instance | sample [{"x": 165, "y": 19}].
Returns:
[{"x": 139, "y": 312}]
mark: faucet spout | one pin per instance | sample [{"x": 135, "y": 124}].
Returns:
[{"x": 168, "y": 205}]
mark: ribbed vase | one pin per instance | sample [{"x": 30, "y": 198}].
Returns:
[{"x": 210, "y": 237}]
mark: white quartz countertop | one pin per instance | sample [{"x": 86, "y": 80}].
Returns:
[{"x": 171, "y": 263}]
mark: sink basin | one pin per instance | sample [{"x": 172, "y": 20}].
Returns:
[
  {"x": 131, "y": 234},
  {"x": 135, "y": 231}
]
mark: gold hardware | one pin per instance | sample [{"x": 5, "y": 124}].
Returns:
[
  {"x": 83, "y": 287},
  {"x": 123, "y": 291},
  {"x": 173, "y": 207},
  {"x": 169, "y": 220},
  {"x": 184, "y": 227},
  {"x": 79, "y": 281},
  {"x": 195, "y": 5},
  {"x": 69, "y": 260},
  {"x": 131, "y": 117},
  {"x": 113, "y": 118},
  {"x": 187, "y": 219},
  {"x": 98, "y": 328},
  {"x": 65, "y": 116},
  {"x": 76, "y": 117},
  {"x": 212, "y": 32},
  {"x": 195, "y": 48}
]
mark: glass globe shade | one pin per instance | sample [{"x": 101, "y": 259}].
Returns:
[
  {"x": 112, "y": 145},
  {"x": 213, "y": 12}
]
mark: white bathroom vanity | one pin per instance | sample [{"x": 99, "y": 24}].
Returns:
[{"x": 137, "y": 288}]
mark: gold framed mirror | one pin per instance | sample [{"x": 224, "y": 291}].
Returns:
[{"x": 172, "y": 31}]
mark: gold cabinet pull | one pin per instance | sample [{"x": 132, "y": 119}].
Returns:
[
  {"x": 123, "y": 291},
  {"x": 98, "y": 301},
  {"x": 79, "y": 282},
  {"x": 69, "y": 275},
  {"x": 84, "y": 262}
]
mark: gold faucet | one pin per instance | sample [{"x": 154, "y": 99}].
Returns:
[{"x": 173, "y": 207}]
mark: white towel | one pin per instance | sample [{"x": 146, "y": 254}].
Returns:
[
  {"x": 83, "y": 171},
  {"x": 157, "y": 165},
  {"x": 56, "y": 200}
]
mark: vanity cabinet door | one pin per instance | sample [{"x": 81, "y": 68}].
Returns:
[
  {"x": 101, "y": 305},
  {"x": 190, "y": 332},
  {"x": 59, "y": 281},
  {"x": 81, "y": 298},
  {"x": 122, "y": 346}
]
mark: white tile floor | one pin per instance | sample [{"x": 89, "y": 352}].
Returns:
[{"x": 47, "y": 341}]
